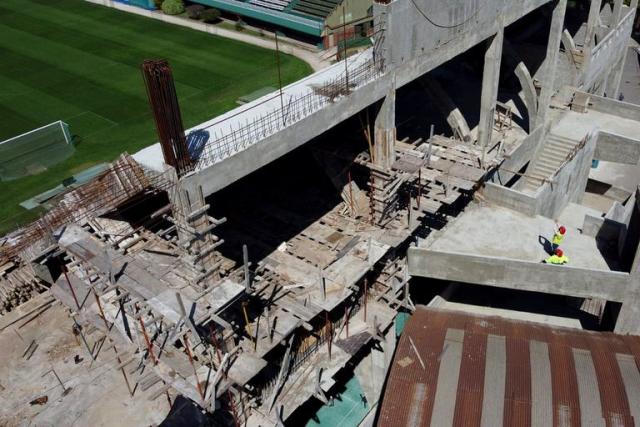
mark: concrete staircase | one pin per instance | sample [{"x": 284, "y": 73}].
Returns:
[{"x": 549, "y": 159}]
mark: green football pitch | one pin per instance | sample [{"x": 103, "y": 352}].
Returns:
[{"x": 77, "y": 62}]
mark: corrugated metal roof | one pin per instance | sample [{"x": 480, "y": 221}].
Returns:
[{"x": 509, "y": 373}]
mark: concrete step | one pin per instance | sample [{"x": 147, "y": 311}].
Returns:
[
  {"x": 562, "y": 139},
  {"x": 558, "y": 146},
  {"x": 557, "y": 150},
  {"x": 551, "y": 158},
  {"x": 546, "y": 170}
]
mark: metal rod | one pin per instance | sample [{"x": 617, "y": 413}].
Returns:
[
  {"x": 106, "y": 325},
  {"x": 247, "y": 325},
  {"x": 146, "y": 338},
  {"x": 84, "y": 340},
  {"x": 364, "y": 299},
  {"x": 346, "y": 319},
  {"x": 73, "y": 293},
  {"x": 329, "y": 333},
  {"x": 279, "y": 79},
  {"x": 247, "y": 273},
  {"x": 353, "y": 212},
  {"x": 195, "y": 371},
  {"x": 344, "y": 42},
  {"x": 419, "y": 186}
]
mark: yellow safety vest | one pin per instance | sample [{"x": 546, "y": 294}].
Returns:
[
  {"x": 557, "y": 238},
  {"x": 555, "y": 259}
]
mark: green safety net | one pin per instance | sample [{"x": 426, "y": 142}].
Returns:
[
  {"x": 401, "y": 320},
  {"x": 347, "y": 409},
  {"x": 35, "y": 151}
]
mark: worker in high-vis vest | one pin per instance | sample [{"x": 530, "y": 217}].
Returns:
[
  {"x": 558, "y": 258},
  {"x": 558, "y": 237}
]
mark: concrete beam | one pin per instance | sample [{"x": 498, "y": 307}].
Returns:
[
  {"x": 614, "y": 78},
  {"x": 222, "y": 174},
  {"x": 490, "y": 83},
  {"x": 592, "y": 22},
  {"x": 611, "y": 147},
  {"x": 617, "y": 13},
  {"x": 520, "y": 275},
  {"x": 530, "y": 94},
  {"x": 614, "y": 107}
]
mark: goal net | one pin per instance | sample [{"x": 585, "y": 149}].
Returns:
[{"x": 35, "y": 151}]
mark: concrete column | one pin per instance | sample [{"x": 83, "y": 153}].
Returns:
[
  {"x": 617, "y": 13},
  {"x": 614, "y": 78},
  {"x": 490, "y": 82},
  {"x": 594, "y": 18},
  {"x": 551, "y": 61},
  {"x": 385, "y": 130}
]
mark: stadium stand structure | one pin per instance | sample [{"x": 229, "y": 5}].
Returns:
[{"x": 319, "y": 21}]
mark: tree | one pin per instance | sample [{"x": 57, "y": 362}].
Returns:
[
  {"x": 173, "y": 7},
  {"x": 194, "y": 11},
  {"x": 210, "y": 15}
]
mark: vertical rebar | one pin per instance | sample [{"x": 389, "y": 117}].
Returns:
[
  {"x": 364, "y": 299},
  {"x": 344, "y": 50},
  {"x": 73, "y": 293},
  {"x": 115, "y": 350},
  {"x": 166, "y": 110},
  {"x": 279, "y": 78},
  {"x": 193, "y": 365}
]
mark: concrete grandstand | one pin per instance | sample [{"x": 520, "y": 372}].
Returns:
[{"x": 318, "y": 21}]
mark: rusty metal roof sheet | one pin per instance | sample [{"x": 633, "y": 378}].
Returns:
[{"x": 509, "y": 373}]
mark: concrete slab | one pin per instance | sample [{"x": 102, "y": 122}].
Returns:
[
  {"x": 501, "y": 232},
  {"x": 626, "y": 177},
  {"x": 573, "y": 215}
]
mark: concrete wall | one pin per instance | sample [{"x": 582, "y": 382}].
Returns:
[
  {"x": 510, "y": 198},
  {"x": 423, "y": 33},
  {"x": 632, "y": 235},
  {"x": 568, "y": 184},
  {"x": 621, "y": 109},
  {"x": 518, "y": 157},
  {"x": 515, "y": 274},
  {"x": 609, "y": 50},
  {"x": 551, "y": 198}
]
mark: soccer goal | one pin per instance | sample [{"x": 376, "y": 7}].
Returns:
[{"x": 35, "y": 151}]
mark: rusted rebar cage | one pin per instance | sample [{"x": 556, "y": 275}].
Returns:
[
  {"x": 166, "y": 112},
  {"x": 122, "y": 180}
]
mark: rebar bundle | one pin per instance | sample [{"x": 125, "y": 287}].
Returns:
[{"x": 166, "y": 111}]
